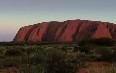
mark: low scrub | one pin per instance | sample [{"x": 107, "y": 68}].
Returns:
[{"x": 98, "y": 42}]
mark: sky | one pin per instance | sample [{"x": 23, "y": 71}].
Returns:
[{"x": 15, "y": 14}]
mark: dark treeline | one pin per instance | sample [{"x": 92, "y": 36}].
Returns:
[
  {"x": 98, "y": 42},
  {"x": 88, "y": 42},
  {"x": 32, "y": 43}
]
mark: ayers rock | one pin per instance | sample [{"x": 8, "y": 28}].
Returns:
[{"x": 67, "y": 31}]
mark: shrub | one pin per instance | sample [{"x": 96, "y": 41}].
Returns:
[
  {"x": 13, "y": 52},
  {"x": 52, "y": 61},
  {"x": 105, "y": 42},
  {"x": 105, "y": 54},
  {"x": 98, "y": 41},
  {"x": 62, "y": 62},
  {"x": 10, "y": 62},
  {"x": 83, "y": 49},
  {"x": 2, "y": 50},
  {"x": 39, "y": 68},
  {"x": 38, "y": 58},
  {"x": 114, "y": 53},
  {"x": 65, "y": 48}
]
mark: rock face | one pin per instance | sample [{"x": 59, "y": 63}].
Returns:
[{"x": 67, "y": 31}]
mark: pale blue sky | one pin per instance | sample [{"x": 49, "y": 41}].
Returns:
[{"x": 17, "y": 13}]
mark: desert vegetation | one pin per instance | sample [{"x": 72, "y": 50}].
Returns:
[{"x": 59, "y": 58}]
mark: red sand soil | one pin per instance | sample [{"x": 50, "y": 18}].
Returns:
[
  {"x": 9, "y": 70},
  {"x": 94, "y": 66}
]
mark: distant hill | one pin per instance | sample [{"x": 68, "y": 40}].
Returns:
[{"x": 67, "y": 31}]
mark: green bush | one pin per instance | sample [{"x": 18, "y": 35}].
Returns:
[
  {"x": 105, "y": 54},
  {"x": 10, "y": 62},
  {"x": 105, "y": 42},
  {"x": 38, "y": 58},
  {"x": 39, "y": 68},
  {"x": 51, "y": 61},
  {"x": 13, "y": 52},
  {"x": 114, "y": 53},
  {"x": 98, "y": 41},
  {"x": 83, "y": 49},
  {"x": 2, "y": 50},
  {"x": 62, "y": 62}
]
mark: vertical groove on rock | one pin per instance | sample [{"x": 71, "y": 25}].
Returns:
[
  {"x": 29, "y": 32},
  {"x": 77, "y": 31},
  {"x": 50, "y": 32},
  {"x": 112, "y": 30},
  {"x": 64, "y": 26}
]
